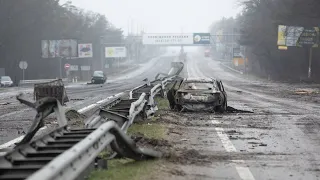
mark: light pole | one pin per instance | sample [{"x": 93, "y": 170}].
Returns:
[
  {"x": 60, "y": 67},
  {"x": 102, "y": 53}
]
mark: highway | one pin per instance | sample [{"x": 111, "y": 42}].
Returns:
[{"x": 278, "y": 140}]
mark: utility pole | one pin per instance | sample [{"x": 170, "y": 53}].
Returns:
[
  {"x": 245, "y": 61},
  {"x": 60, "y": 67},
  {"x": 232, "y": 45},
  {"x": 102, "y": 53}
]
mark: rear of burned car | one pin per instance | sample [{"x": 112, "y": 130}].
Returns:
[
  {"x": 200, "y": 95},
  {"x": 198, "y": 100}
]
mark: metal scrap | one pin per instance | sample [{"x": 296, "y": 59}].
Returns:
[{"x": 53, "y": 89}]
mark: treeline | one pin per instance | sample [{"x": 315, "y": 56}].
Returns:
[
  {"x": 258, "y": 26},
  {"x": 24, "y": 23}
]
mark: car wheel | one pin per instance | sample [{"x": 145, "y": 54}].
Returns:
[
  {"x": 222, "y": 108},
  {"x": 178, "y": 107}
]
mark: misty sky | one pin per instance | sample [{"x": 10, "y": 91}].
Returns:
[{"x": 162, "y": 16}]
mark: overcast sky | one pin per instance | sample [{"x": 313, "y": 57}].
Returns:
[{"x": 162, "y": 16}]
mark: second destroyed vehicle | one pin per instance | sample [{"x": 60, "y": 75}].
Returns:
[
  {"x": 207, "y": 53},
  {"x": 98, "y": 77},
  {"x": 198, "y": 94}
]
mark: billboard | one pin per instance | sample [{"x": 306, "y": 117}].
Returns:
[
  {"x": 115, "y": 52},
  {"x": 59, "y": 48},
  {"x": 44, "y": 49},
  {"x": 201, "y": 38},
  {"x": 85, "y": 51},
  {"x": 298, "y": 36},
  {"x": 219, "y": 36},
  {"x": 237, "y": 53}
]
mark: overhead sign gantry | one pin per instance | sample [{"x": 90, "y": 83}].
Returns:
[{"x": 177, "y": 39}]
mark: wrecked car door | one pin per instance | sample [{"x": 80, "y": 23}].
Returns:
[
  {"x": 172, "y": 92},
  {"x": 223, "y": 104}
]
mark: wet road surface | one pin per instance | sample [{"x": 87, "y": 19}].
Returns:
[
  {"x": 15, "y": 118},
  {"x": 279, "y": 140}
]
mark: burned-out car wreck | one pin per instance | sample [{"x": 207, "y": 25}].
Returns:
[{"x": 197, "y": 94}]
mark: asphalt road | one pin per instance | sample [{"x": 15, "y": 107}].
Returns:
[
  {"x": 15, "y": 118},
  {"x": 279, "y": 140}
]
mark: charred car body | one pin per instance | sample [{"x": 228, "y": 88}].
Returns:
[{"x": 198, "y": 94}]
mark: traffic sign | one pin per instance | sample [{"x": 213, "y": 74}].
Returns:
[
  {"x": 67, "y": 66},
  {"x": 23, "y": 65}
]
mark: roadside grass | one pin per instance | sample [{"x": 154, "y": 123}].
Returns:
[
  {"x": 123, "y": 169},
  {"x": 149, "y": 130},
  {"x": 162, "y": 103}
]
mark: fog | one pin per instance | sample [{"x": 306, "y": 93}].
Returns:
[{"x": 162, "y": 16}]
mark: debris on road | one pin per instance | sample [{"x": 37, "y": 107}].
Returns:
[
  {"x": 6, "y": 103},
  {"x": 306, "y": 92},
  {"x": 77, "y": 99},
  {"x": 75, "y": 119},
  {"x": 53, "y": 89}
]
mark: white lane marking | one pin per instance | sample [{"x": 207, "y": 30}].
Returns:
[
  {"x": 83, "y": 110},
  {"x": 88, "y": 108},
  {"x": 10, "y": 143},
  {"x": 227, "y": 144},
  {"x": 188, "y": 70},
  {"x": 244, "y": 172}
]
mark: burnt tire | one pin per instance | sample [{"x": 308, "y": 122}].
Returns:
[
  {"x": 170, "y": 98},
  {"x": 222, "y": 108},
  {"x": 178, "y": 107}
]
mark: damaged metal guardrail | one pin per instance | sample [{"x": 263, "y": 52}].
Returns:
[
  {"x": 121, "y": 111},
  {"x": 36, "y": 81},
  {"x": 65, "y": 153},
  {"x": 151, "y": 90}
]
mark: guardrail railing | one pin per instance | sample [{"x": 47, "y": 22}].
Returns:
[
  {"x": 66, "y": 154},
  {"x": 36, "y": 81}
]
